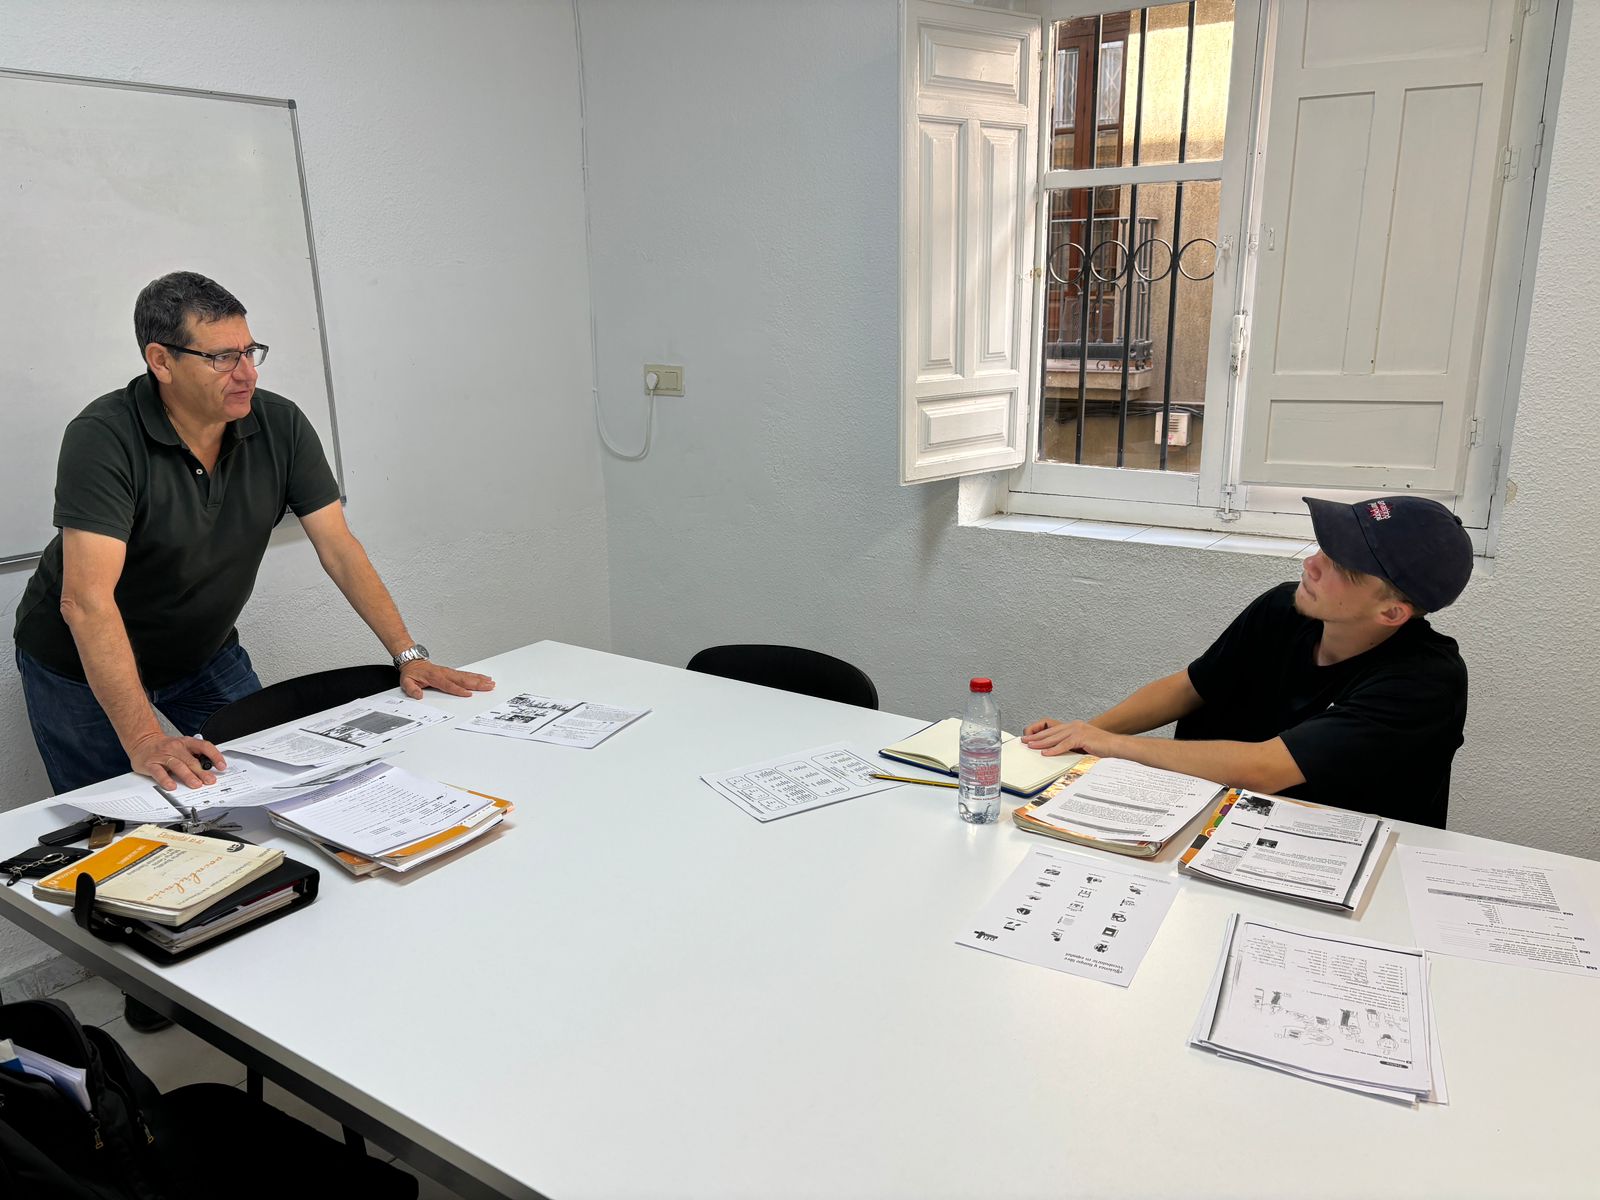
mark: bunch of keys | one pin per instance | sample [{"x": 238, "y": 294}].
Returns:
[{"x": 40, "y": 864}]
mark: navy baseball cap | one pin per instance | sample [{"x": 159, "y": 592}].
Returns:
[{"x": 1415, "y": 543}]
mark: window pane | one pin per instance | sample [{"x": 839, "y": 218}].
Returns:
[
  {"x": 1148, "y": 75},
  {"x": 1128, "y": 324}
]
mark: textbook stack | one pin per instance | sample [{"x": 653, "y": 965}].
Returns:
[{"x": 177, "y": 891}]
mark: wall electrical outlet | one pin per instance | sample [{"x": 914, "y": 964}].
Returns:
[{"x": 669, "y": 379}]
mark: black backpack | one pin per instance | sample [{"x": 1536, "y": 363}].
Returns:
[
  {"x": 136, "y": 1143},
  {"x": 50, "y": 1147}
]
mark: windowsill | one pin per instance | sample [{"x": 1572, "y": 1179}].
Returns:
[
  {"x": 1165, "y": 535},
  {"x": 1151, "y": 535}
]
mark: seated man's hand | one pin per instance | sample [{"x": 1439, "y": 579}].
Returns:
[
  {"x": 419, "y": 673},
  {"x": 1051, "y": 737},
  {"x": 169, "y": 761}
]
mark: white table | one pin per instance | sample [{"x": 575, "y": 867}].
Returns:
[{"x": 637, "y": 990}]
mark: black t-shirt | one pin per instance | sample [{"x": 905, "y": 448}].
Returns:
[
  {"x": 1374, "y": 733},
  {"x": 195, "y": 539}
]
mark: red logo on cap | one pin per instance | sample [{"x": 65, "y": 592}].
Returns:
[{"x": 1379, "y": 510}]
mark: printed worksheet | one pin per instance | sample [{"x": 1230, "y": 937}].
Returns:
[
  {"x": 1332, "y": 1008},
  {"x": 1499, "y": 910},
  {"x": 293, "y": 747},
  {"x": 799, "y": 782},
  {"x": 1074, "y": 914},
  {"x": 580, "y": 723},
  {"x": 1122, "y": 801},
  {"x": 137, "y": 805},
  {"x": 375, "y": 721}
]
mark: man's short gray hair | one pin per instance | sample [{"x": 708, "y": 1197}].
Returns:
[{"x": 165, "y": 304}]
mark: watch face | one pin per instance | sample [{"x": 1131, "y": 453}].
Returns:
[{"x": 419, "y": 651}]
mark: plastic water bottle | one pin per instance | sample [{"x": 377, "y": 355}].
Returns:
[{"x": 980, "y": 756}]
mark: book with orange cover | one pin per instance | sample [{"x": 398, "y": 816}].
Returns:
[{"x": 160, "y": 875}]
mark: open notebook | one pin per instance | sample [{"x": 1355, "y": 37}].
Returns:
[{"x": 1023, "y": 772}]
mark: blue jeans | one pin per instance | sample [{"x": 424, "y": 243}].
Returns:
[{"x": 74, "y": 735}]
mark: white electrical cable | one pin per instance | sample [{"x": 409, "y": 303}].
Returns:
[{"x": 588, "y": 255}]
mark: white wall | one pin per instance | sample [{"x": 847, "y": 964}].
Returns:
[
  {"x": 744, "y": 204},
  {"x": 441, "y": 146}
]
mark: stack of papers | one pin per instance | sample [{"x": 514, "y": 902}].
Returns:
[
  {"x": 161, "y": 875},
  {"x": 1288, "y": 848},
  {"x": 1331, "y": 1009},
  {"x": 1116, "y": 805},
  {"x": 388, "y": 816},
  {"x": 72, "y": 1081}
]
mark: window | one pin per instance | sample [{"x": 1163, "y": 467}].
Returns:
[{"x": 1259, "y": 248}]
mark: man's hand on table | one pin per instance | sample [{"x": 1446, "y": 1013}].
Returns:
[
  {"x": 1051, "y": 737},
  {"x": 170, "y": 761},
  {"x": 420, "y": 673}
]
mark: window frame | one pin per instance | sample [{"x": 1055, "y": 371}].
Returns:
[{"x": 1213, "y": 498}]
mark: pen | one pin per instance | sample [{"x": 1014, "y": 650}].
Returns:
[{"x": 908, "y": 779}]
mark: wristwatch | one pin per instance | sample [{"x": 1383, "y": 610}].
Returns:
[{"x": 415, "y": 651}]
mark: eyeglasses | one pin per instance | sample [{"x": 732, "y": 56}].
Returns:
[{"x": 224, "y": 360}]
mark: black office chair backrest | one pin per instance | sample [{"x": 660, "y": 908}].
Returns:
[
  {"x": 809, "y": 672},
  {"x": 296, "y": 698}
]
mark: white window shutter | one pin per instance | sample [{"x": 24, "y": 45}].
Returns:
[
  {"x": 969, "y": 170},
  {"x": 1379, "y": 201}
]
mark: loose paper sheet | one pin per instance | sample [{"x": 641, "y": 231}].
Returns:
[
  {"x": 1499, "y": 910},
  {"x": 373, "y": 722},
  {"x": 795, "y": 783},
  {"x": 1074, "y": 914},
  {"x": 583, "y": 724}
]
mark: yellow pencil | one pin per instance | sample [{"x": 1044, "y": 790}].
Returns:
[{"x": 908, "y": 779}]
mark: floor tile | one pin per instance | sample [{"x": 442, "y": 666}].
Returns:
[
  {"x": 175, "y": 1056},
  {"x": 95, "y": 1001}
]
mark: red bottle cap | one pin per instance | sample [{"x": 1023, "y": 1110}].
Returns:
[{"x": 983, "y": 685}]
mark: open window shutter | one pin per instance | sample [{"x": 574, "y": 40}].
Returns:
[
  {"x": 1379, "y": 200},
  {"x": 969, "y": 166}
]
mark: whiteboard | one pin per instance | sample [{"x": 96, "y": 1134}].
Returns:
[{"x": 105, "y": 186}]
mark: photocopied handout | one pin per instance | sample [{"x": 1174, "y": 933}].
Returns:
[
  {"x": 325, "y": 737},
  {"x": 583, "y": 724},
  {"x": 376, "y": 721},
  {"x": 1335, "y": 1009},
  {"x": 1121, "y": 801},
  {"x": 1499, "y": 910},
  {"x": 781, "y": 787},
  {"x": 1074, "y": 914}
]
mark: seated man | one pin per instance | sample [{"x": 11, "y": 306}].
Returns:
[{"x": 1334, "y": 689}]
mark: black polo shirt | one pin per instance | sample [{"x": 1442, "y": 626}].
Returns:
[
  {"x": 195, "y": 539},
  {"x": 1374, "y": 733}
]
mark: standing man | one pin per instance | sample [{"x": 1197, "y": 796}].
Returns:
[
  {"x": 166, "y": 493},
  {"x": 1334, "y": 690}
]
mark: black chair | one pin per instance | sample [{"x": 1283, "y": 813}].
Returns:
[
  {"x": 298, "y": 697},
  {"x": 791, "y": 668}
]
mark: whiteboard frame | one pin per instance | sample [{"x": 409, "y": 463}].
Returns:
[{"x": 7, "y": 560}]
